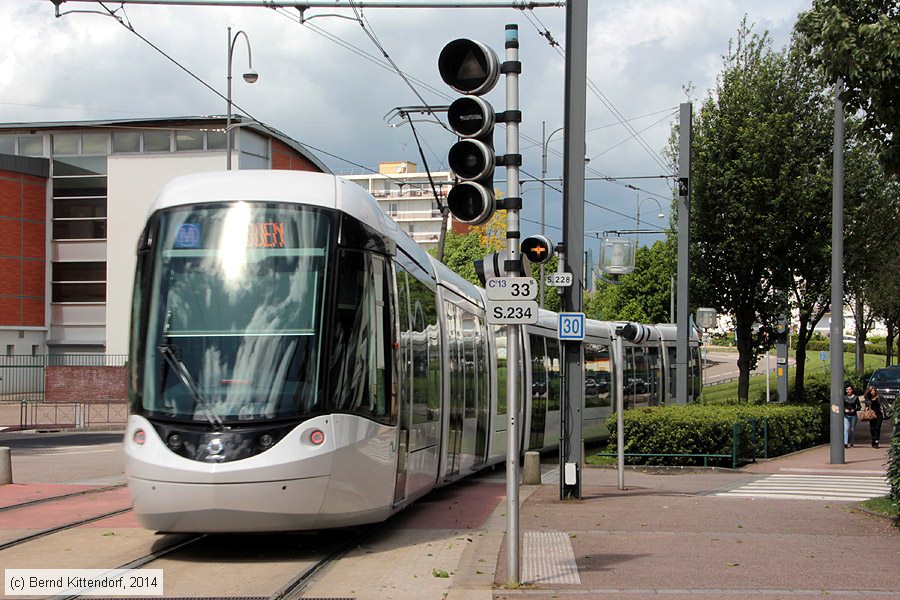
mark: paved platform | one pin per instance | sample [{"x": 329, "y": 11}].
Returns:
[
  {"x": 673, "y": 533},
  {"x": 668, "y": 534}
]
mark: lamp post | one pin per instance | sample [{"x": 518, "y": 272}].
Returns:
[
  {"x": 659, "y": 215},
  {"x": 544, "y": 145},
  {"x": 250, "y": 77}
]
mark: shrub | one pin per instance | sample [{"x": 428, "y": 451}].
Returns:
[
  {"x": 894, "y": 464},
  {"x": 707, "y": 429}
]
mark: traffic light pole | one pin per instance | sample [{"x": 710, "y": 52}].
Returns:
[{"x": 511, "y": 68}]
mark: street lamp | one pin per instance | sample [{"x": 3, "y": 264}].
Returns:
[
  {"x": 659, "y": 215},
  {"x": 544, "y": 145},
  {"x": 250, "y": 77}
]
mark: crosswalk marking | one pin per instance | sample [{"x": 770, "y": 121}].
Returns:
[{"x": 813, "y": 487}]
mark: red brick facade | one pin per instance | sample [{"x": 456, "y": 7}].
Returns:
[
  {"x": 286, "y": 158},
  {"x": 22, "y": 249},
  {"x": 86, "y": 384}
]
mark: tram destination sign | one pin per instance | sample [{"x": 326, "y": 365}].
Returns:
[
  {"x": 512, "y": 312},
  {"x": 511, "y": 288}
]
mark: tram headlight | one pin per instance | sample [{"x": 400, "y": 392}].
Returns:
[
  {"x": 139, "y": 437},
  {"x": 175, "y": 441},
  {"x": 266, "y": 440}
]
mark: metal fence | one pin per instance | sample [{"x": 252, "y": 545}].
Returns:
[
  {"x": 66, "y": 415},
  {"x": 749, "y": 441},
  {"x": 22, "y": 375}
]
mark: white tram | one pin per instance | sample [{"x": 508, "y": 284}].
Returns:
[{"x": 298, "y": 362}]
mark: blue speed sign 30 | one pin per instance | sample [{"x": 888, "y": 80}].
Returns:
[{"x": 571, "y": 326}]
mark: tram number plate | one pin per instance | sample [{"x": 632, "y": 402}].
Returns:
[
  {"x": 512, "y": 312},
  {"x": 559, "y": 279},
  {"x": 511, "y": 288}
]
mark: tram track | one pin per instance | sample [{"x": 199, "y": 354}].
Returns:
[
  {"x": 36, "y": 501},
  {"x": 71, "y": 525}
]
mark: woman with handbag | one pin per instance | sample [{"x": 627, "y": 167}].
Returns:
[
  {"x": 851, "y": 407},
  {"x": 873, "y": 403}
]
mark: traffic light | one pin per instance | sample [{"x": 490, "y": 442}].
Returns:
[
  {"x": 537, "y": 248},
  {"x": 635, "y": 332},
  {"x": 494, "y": 265},
  {"x": 472, "y": 68}
]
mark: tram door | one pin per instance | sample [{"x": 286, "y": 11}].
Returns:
[{"x": 404, "y": 387}]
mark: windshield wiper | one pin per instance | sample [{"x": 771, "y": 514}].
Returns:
[{"x": 188, "y": 381}]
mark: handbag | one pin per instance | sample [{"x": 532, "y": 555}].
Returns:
[{"x": 867, "y": 415}]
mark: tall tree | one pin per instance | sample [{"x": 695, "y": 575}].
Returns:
[
  {"x": 806, "y": 201},
  {"x": 859, "y": 41},
  {"x": 872, "y": 241},
  {"x": 756, "y": 194}
]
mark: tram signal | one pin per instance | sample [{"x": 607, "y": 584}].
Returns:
[
  {"x": 537, "y": 248},
  {"x": 635, "y": 332},
  {"x": 472, "y": 68}
]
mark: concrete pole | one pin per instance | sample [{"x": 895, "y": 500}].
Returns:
[
  {"x": 573, "y": 233},
  {"x": 836, "y": 344},
  {"x": 682, "y": 319}
]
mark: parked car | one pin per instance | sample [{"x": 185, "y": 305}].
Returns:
[{"x": 887, "y": 381}]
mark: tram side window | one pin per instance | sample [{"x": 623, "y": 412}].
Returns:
[
  {"x": 538, "y": 391},
  {"x": 425, "y": 353},
  {"x": 596, "y": 376},
  {"x": 696, "y": 383},
  {"x": 553, "y": 372},
  {"x": 654, "y": 390},
  {"x": 360, "y": 367},
  {"x": 499, "y": 332}
]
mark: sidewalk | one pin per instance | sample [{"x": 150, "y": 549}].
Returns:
[{"x": 666, "y": 535}]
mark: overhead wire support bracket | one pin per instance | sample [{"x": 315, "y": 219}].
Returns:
[{"x": 332, "y": 4}]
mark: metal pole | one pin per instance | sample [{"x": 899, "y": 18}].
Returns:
[
  {"x": 684, "y": 240},
  {"x": 513, "y": 332},
  {"x": 573, "y": 227},
  {"x": 619, "y": 375},
  {"x": 836, "y": 344},
  {"x": 546, "y": 140},
  {"x": 228, "y": 113},
  {"x": 637, "y": 237},
  {"x": 544, "y": 145}
]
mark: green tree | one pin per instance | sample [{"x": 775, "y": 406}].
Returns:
[
  {"x": 872, "y": 243},
  {"x": 859, "y": 41},
  {"x": 460, "y": 253},
  {"x": 643, "y": 295},
  {"x": 757, "y": 201}
]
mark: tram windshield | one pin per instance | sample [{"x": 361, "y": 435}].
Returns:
[{"x": 232, "y": 313}]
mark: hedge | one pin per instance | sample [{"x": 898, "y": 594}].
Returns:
[{"x": 707, "y": 429}]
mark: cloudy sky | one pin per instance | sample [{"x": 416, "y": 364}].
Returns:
[{"x": 326, "y": 83}]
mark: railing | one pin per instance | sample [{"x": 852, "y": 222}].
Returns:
[
  {"x": 22, "y": 375},
  {"x": 749, "y": 441},
  {"x": 71, "y": 415}
]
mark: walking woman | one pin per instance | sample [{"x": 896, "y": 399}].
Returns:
[
  {"x": 873, "y": 401},
  {"x": 851, "y": 407}
]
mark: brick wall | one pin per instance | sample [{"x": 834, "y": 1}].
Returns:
[
  {"x": 86, "y": 384},
  {"x": 287, "y": 159},
  {"x": 22, "y": 249}
]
